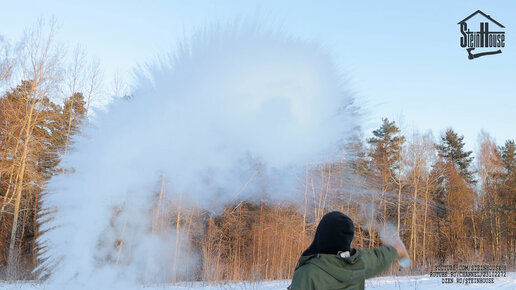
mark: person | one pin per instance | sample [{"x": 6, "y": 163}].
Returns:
[{"x": 330, "y": 262}]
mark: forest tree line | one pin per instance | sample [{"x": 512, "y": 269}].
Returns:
[
  {"x": 46, "y": 96},
  {"x": 447, "y": 204}
]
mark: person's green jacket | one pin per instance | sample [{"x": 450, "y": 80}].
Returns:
[{"x": 328, "y": 272}]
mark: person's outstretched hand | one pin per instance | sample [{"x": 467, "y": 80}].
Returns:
[{"x": 402, "y": 251}]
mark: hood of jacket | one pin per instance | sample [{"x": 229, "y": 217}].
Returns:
[{"x": 333, "y": 234}]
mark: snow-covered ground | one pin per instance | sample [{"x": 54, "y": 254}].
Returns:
[{"x": 387, "y": 283}]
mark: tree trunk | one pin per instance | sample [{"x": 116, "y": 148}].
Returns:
[
  {"x": 425, "y": 219},
  {"x": 413, "y": 235},
  {"x": 178, "y": 233},
  {"x": 19, "y": 182}
]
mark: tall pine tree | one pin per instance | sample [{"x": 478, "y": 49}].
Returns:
[
  {"x": 455, "y": 197},
  {"x": 452, "y": 149},
  {"x": 386, "y": 147},
  {"x": 385, "y": 154}
]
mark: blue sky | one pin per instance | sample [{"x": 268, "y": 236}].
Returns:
[{"x": 402, "y": 58}]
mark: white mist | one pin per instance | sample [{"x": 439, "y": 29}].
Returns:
[{"x": 226, "y": 96}]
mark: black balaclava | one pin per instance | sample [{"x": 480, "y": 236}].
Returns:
[{"x": 334, "y": 233}]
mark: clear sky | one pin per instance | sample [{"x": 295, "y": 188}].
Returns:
[{"x": 402, "y": 58}]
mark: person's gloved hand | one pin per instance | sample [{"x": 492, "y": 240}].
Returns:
[
  {"x": 389, "y": 236},
  {"x": 402, "y": 251},
  {"x": 403, "y": 256}
]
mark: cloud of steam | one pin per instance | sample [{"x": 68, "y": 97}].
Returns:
[
  {"x": 204, "y": 116},
  {"x": 389, "y": 234},
  {"x": 369, "y": 219}
]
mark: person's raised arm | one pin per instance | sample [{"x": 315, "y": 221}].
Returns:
[{"x": 377, "y": 260}]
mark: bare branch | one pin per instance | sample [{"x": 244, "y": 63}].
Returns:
[{"x": 94, "y": 83}]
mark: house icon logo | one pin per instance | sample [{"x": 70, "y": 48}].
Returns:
[{"x": 485, "y": 40}]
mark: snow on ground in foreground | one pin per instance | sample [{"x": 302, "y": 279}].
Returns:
[{"x": 387, "y": 283}]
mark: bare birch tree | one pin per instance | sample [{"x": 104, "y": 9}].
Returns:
[
  {"x": 41, "y": 66},
  {"x": 93, "y": 83},
  {"x": 9, "y": 59},
  {"x": 74, "y": 77},
  {"x": 490, "y": 170}
]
